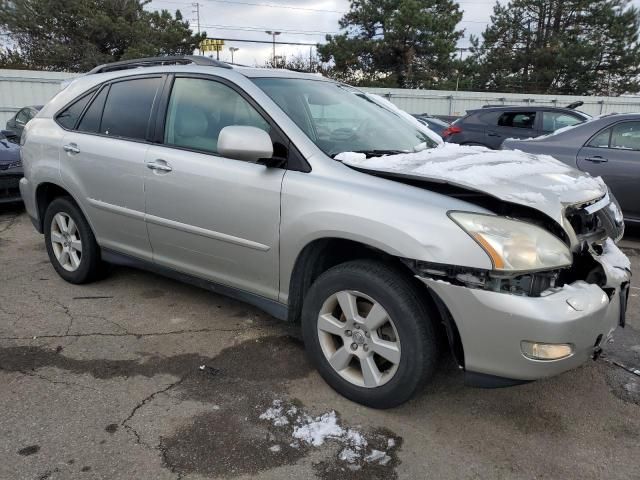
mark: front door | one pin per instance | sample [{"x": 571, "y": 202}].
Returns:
[
  {"x": 614, "y": 155},
  {"x": 213, "y": 217}
]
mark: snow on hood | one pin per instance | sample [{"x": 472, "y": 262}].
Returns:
[{"x": 537, "y": 181}]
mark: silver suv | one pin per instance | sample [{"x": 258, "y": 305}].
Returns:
[{"x": 324, "y": 205}]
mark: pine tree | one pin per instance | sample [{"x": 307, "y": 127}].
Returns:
[
  {"x": 76, "y": 35},
  {"x": 580, "y": 47},
  {"x": 404, "y": 43}
]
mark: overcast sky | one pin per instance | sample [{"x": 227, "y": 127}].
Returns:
[{"x": 300, "y": 21}]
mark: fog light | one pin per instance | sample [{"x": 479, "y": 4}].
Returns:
[{"x": 546, "y": 351}]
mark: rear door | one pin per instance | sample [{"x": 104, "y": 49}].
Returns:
[
  {"x": 512, "y": 124},
  {"x": 210, "y": 216},
  {"x": 614, "y": 155},
  {"x": 102, "y": 160}
]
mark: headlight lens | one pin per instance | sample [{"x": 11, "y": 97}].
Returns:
[{"x": 513, "y": 245}]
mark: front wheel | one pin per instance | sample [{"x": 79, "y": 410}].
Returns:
[{"x": 369, "y": 333}]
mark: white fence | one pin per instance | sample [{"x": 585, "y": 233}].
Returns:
[
  {"x": 19, "y": 88},
  {"x": 455, "y": 104}
]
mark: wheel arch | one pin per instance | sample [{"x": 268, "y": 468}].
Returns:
[
  {"x": 46, "y": 193},
  {"x": 321, "y": 254}
]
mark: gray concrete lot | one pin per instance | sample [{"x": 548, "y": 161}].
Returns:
[{"x": 140, "y": 377}]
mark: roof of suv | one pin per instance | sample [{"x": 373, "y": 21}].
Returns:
[
  {"x": 521, "y": 108},
  {"x": 194, "y": 63}
]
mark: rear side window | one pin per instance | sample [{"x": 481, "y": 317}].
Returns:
[
  {"x": 552, "y": 121},
  {"x": 626, "y": 136},
  {"x": 517, "y": 119},
  {"x": 601, "y": 140},
  {"x": 128, "y": 108},
  {"x": 90, "y": 122},
  {"x": 69, "y": 116}
]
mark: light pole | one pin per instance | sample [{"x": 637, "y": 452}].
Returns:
[
  {"x": 273, "y": 35},
  {"x": 233, "y": 50}
]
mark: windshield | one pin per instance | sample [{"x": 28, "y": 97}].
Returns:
[{"x": 338, "y": 118}]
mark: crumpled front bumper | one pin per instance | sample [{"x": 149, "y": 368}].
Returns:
[{"x": 492, "y": 325}]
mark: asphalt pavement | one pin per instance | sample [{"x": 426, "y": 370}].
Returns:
[{"x": 141, "y": 377}]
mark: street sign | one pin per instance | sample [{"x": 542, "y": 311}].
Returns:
[{"x": 211, "y": 45}]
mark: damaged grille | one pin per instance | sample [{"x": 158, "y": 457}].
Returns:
[{"x": 594, "y": 223}]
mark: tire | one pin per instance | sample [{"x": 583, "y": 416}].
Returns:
[
  {"x": 411, "y": 329},
  {"x": 87, "y": 265}
]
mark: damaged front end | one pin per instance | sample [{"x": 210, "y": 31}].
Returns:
[{"x": 506, "y": 327}]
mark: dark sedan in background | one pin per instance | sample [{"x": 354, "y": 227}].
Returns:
[
  {"x": 607, "y": 146},
  {"x": 10, "y": 168},
  {"x": 16, "y": 123}
]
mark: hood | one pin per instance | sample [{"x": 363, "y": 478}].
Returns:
[{"x": 536, "y": 181}]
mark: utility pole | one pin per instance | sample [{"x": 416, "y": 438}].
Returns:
[
  {"x": 273, "y": 35},
  {"x": 458, "y": 73},
  {"x": 196, "y": 5},
  {"x": 233, "y": 50}
]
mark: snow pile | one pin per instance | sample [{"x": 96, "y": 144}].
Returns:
[
  {"x": 316, "y": 431},
  {"x": 307, "y": 430},
  {"x": 511, "y": 175},
  {"x": 615, "y": 263},
  {"x": 276, "y": 414}
]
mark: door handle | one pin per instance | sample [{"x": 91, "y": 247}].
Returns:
[
  {"x": 71, "y": 148},
  {"x": 493, "y": 134},
  {"x": 596, "y": 159},
  {"x": 159, "y": 165}
]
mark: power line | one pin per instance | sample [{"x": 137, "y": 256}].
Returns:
[{"x": 262, "y": 29}]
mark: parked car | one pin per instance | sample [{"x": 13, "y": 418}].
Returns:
[
  {"x": 10, "y": 168},
  {"x": 217, "y": 175},
  {"x": 16, "y": 123},
  {"x": 435, "y": 124},
  {"x": 492, "y": 125},
  {"x": 608, "y": 147}
]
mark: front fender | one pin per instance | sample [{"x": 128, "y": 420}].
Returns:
[{"x": 398, "y": 219}]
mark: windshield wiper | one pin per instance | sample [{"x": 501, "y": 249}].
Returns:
[{"x": 380, "y": 153}]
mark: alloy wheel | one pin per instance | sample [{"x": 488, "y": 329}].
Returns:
[
  {"x": 66, "y": 242},
  {"x": 359, "y": 339}
]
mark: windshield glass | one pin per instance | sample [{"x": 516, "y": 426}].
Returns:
[{"x": 338, "y": 118}]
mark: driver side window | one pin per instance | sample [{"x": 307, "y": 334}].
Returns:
[{"x": 198, "y": 111}]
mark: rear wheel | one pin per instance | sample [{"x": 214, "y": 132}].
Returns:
[
  {"x": 369, "y": 333},
  {"x": 70, "y": 243}
]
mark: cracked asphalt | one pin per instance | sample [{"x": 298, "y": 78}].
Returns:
[{"x": 141, "y": 377}]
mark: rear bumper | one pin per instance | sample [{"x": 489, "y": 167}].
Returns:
[
  {"x": 492, "y": 325},
  {"x": 29, "y": 199}
]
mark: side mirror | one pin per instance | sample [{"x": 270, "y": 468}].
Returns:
[{"x": 245, "y": 143}]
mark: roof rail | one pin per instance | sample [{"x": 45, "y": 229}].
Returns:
[{"x": 154, "y": 61}]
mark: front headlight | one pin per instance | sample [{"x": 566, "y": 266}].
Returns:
[{"x": 513, "y": 245}]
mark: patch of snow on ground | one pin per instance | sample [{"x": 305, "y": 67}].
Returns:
[
  {"x": 308, "y": 430},
  {"x": 316, "y": 431},
  {"x": 275, "y": 414},
  {"x": 377, "y": 456},
  {"x": 349, "y": 455},
  {"x": 615, "y": 263}
]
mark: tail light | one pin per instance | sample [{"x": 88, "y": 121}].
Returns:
[{"x": 451, "y": 130}]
